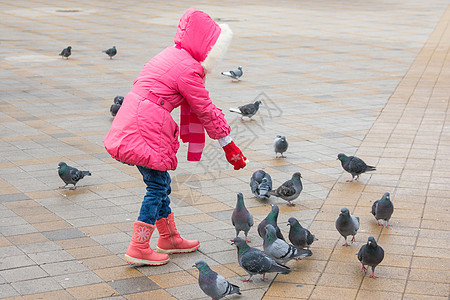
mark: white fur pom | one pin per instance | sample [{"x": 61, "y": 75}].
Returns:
[{"x": 219, "y": 49}]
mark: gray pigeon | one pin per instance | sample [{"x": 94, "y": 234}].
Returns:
[
  {"x": 280, "y": 250},
  {"x": 289, "y": 190},
  {"x": 254, "y": 261},
  {"x": 260, "y": 184},
  {"x": 111, "y": 52},
  {"x": 118, "y": 100},
  {"x": 382, "y": 209},
  {"x": 347, "y": 224},
  {"x": 66, "y": 52},
  {"x": 213, "y": 284},
  {"x": 280, "y": 145},
  {"x": 70, "y": 175},
  {"x": 114, "y": 109},
  {"x": 248, "y": 110},
  {"x": 370, "y": 254},
  {"x": 241, "y": 218},
  {"x": 300, "y": 237},
  {"x": 234, "y": 74},
  {"x": 354, "y": 165},
  {"x": 272, "y": 220}
]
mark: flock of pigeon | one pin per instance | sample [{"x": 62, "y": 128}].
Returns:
[
  {"x": 277, "y": 251},
  {"x": 66, "y": 52}
]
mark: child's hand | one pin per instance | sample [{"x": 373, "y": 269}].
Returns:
[{"x": 235, "y": 156}]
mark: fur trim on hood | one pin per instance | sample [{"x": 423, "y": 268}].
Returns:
[{"x": 217, "y": 52}]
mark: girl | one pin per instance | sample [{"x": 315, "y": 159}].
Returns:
[{"x": 144, "y": 134}]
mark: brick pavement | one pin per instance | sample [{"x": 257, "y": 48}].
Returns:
[{"x": 363, "y": 78}]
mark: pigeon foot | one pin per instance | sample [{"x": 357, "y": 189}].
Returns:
[
  {"x": 345, "y": 244},
  {"x": 298, "y": 258},
  {"x": 290, "y": 204},
  {"x": 353, "y": 239},
  {"x": 264, "y": 277},
  {"x": 247, "y": 280},
  {"x": 73, "y": 188},
  {"x": 247, "y": 241},
  {"x": 379, "y": 224},
  {"x": 363, "y": 269},
  {"x": 62, "y": 187},
  {"x": 373, "y": 275}
]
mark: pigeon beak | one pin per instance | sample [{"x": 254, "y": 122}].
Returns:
[{"x": 193, "y": 265}]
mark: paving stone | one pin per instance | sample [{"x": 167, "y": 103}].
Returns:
[
  {"x": 63, "y": 234},
  {"x": 133, "y": 285}
]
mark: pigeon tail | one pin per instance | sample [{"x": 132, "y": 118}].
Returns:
[
  {"x": 279, "y": 268},
  {"x": 370, "y": 168},
  {"x": 235, "y": 110},
  {"x": 86, "y": 173}
]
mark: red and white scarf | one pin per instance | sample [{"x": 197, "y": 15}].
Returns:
[{"x": 192, "y": 132}]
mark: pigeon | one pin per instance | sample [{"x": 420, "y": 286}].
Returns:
[
  {"x": 66, "y": 52},
  {"x": 114, "y": 109},
  {"x": 118, "y": 100},
  {"x": 289, "y": 190},
  {"x": 347, "y": 224},
  {"x": 382, "y": 209},
  {"x": 234, "y": 74},
  {"x": 241, "y": 218},
  {"x": 272, "y": 220},
  {"x": 280, "y": 250},
  {"x": 111, "y": 52},
  {"x": 280, "y": 145},
  {"x": 70, "y": 175},
  {"x": 213, "y": 284},
  {"x": 370, "y": 254},
  {"x": 260, "y": 184},
  {"x": 248, "y": 110},
  {"x": 354, "y": 166},
  {"x": 300, "y": 237},
  {"x": 254, "y": 261}
]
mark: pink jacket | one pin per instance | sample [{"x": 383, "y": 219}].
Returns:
[{"x": 143, "y": 132}]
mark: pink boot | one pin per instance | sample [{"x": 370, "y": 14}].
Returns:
[
  {"x": 170, "y": 240},
  {"x": 139, "y": 251}
]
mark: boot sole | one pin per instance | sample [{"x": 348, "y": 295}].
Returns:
[
  {"x": 172, "y": 251},
  {"x": 137, "y": 261}
]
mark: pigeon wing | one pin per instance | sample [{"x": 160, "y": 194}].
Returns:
[
  {"x": 374, "y": 208},
  {"x": 256, "y": 262},
  {"x": 356, "y": 165},
  {"x": 247, "y": 109},
  {"x": 287, "y": 189}
]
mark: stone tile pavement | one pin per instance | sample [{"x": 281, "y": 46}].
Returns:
[{"x": 359, "y": 77}]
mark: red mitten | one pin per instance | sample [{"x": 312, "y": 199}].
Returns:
[{"x": 235, "y": 156}]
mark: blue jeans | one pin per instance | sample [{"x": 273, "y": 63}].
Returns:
[{"x": 156, "y": 201}]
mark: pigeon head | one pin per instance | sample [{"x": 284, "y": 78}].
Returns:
[
  {"x": 241, "y": 244},
  {"x": 293, "y": 222},
  {"x": 271, "y": 234},
  {"x": 386, "y": 196},
  {"x": 296, "y": 176},
  {"x": 240, "y": 201},
  {"x": 62, "y": 165},
  {"x": 257, "y": 103},
  {"x": 69, "y": 48},
  {"x": 275, "y": 210},
  {"x": 200, "y": 264},
  {"x": 345, "y": 211},
  {"x": 342, "y": 157},
  {"x": 371, "y": 242}
]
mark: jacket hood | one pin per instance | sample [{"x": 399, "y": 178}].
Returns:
[{"x": 204, "y": 39}]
